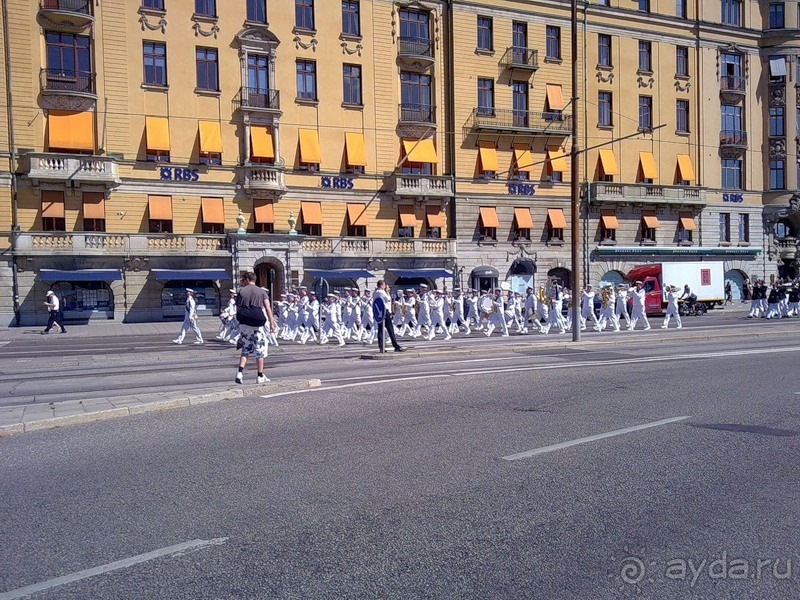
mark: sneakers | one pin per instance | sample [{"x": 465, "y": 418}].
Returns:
[
  {"x": 177, "y": 342},
  {"x": 262, "y": 379},
  {"x": 198, "y": 342},
  {"x": 239, "y": 377},
  {"x": 663, "y": 327}
]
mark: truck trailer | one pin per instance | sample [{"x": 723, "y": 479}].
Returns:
[{"x": 706, "y": 279}]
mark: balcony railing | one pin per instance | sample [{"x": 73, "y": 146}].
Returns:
[
  {"x": 57, "y": 81},
  {"x": 732, "y": 83},
  {"x": 121, "y": 243},
  {"x": 71, "y": 167},
  {"x": 647, "y": 193},
  {"x": 733, "y": 138},
  {"x": 417, "y": 113},
  {"x": 505, "y": 119},
  {"x": 349, "y": 246},
  {"x": 257, "y": 98},
  {"x": 265, "y": 178},
  {"x": 517, "y": 57},
  {"x": 414, "y": 47},
  {"x": 421, "y": 185},
  {"x": 83, "y": 7}
]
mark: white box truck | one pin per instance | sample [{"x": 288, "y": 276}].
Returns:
[{"x": 707, "y": 280}]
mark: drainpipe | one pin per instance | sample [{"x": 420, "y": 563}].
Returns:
[
  {"x": 13, "y": 166},
  {"x": 586, "y": 261},
  {"x": 450, "y": 163}
]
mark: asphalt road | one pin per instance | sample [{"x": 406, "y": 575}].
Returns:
[{"x": 424, "y": 485}]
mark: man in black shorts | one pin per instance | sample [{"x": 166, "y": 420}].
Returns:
[{"x": 254, "y": 314}]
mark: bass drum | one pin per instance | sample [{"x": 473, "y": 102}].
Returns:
[{"x": 487, "y": 305}]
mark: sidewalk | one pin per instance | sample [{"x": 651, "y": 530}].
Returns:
[{"x": 208, "y": 325}]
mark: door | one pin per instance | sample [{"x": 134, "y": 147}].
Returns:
[
  {"x": 519, "y": 41},
  {"x": 520, "y": 90},
  {"x": 258, "y": 81}
]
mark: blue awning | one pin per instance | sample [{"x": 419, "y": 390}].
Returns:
[
  {"x": 339, "y": 273},
  {"x": 190, "y": 274},
  {"x": 82, "y": 275},
  {"x": 421, "y": 273}
]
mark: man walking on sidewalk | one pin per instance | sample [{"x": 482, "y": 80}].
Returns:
[
  {"x": 190, "y": 320},
  {"x": 53, "y": 305},
  {"x": 254, "y": 313},
  {"x": 384, "y": 320}
]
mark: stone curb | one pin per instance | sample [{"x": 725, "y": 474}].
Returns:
[{"x": 155, "y": 406}]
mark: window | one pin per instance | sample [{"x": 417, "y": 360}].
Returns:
[
  {"x": 405, "y": 232},
  {"x": 731, "y": 173},
  {"x": 210, "y": 158},
  {"x": 53, "y": 211},
  {"x": 153, "y": 4},
  {"x": 648, "y": 233},
  {"x": 257, "y": 11},
  {"x": 69, "y": 65},
  {"x": 607, "y": 233},
  {"x": 783, "y": 229},
  {"x": 553, "y": 49},
  {"x": 682, "y": 116},
  {"x": 355, "y": 230},
  {"x": 207, "y": 8},
  {"x": 487, "y": 223},
  {"x": 644, "y": 6},
  {"x": 684, "y": 235},
  {"x": 414, "y": 26},
  {"x": 485, "y": 33},
  {"x": 155, "y": 63},
  {"x": 306, "y": 80},
  {"x": 682, "y": 61},
  {"x": 604, "y": 50},
  {"x": 258, "y": 80},
  {"x": 731, "y": 12},
  {"x": 680, "y": 9},
  {"x": 777, "y": 121},
  {"x": 731, "y": 123},
  {"x": 351, "y": 77},
  {"x": 777, "y": 174},
  {"x": 207, "y": 69},
  {"x": 645, "y": 113},
  {"x": 604, "y": 109},
  {"x": 485, "y": 96},
  {"x": 159, "y": 156},
  {"x": 415, "y": 168},
  {"x": 520, "y": 103},
  {"x": 351, "y": 23},
  {"x": 645, "y": 57},
  {"x": 160, "y": 226},
  {"x": 415, "y": 97},
  {"x": 304, "y": 14},
  {"x": 519, "y": 42},
  {"x": 744, "y": 227},
  {"x": 312, "y": 229},
  {"x": 724, "y": 227},
  {"x": 776, "y": 16},
  {"x": 554, "y": 234},
  {"x": 264, "y": 228}
]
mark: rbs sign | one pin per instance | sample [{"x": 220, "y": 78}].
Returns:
[
  {"x": 337, "y": 183},
  {"x": 178, "y": 174},
  {"x": 732, "y": 198}
]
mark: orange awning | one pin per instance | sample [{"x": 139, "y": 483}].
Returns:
[
  {"x": 264, "y": 210},
  {"x": 420, "y": 151},
  {"x": 356, "y": 150},
  {"x": 94, "y": 205},
  {"x": 160, "y": 208},
  {"x": 435, "y": 216},
  {"x": 261, "y": 142},
  {"x": 522, "y": 155},
  {"x": 489, "y": 216},
  {"x": 523, "y": 218},
  {"x": 609, "y": 218},
  {"x": 608, "y": 161},
  {"x": 210, "y": 137},
  {"x": 648, "y": 164},
  {"x": 685, "y": 167},
  {"x": 557, "y": 220},
  {"x": 557, "y": 158},
  {"x": 357, "y": 214},
  {"x": 488, "y": 154},
  {"x": 555, "y": 99},
  {"x": 157, "y": 133},
  {"x": 687, "y": 220},
  {"x": 213, "y": 211},
  {"x": 311, "y": 213},
  {"x": 53, "y": 204},
  {"x": 310, "y": 152},
  {"x": 407, "y": 216},
  {"x": 70, "y": 130},
  {"x": 650, "y": 219}
]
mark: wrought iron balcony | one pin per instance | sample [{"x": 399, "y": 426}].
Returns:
[
  {"x": 647, "y": 194},
  {"x": 75, "y": 168},
  {"x": 259, "y": 99},
  {"x": 420, "y": 185},
  {"x": 68, "y": 82},
  {"x": 263, "y": 178},
  {"x": 414, "y": 47},
  {"x": 417, "y": 113},
  {"x": 505, "y": 119},
  {"x": 732, "y": 87},
  {"x": 79, "y": 12},
  {"x": 517, "y": 57},
  {"x": 733, "y": 139}
]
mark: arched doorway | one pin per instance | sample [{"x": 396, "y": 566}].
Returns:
[
  {"x": 521, "y": 273},
  {"x": 563, "y": 275},
  {"x": 484, "y": 278},
  {"x": 270, "y": 274},
  {"x": 614, "y": 278},
  {"x": 736, "y": 279}
]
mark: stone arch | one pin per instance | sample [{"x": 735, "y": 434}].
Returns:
[{"x": 271, "y": 274}]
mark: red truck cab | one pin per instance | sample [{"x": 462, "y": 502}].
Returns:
[{"x": 650, "y": 276}]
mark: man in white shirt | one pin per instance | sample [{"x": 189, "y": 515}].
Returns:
[
  {"x": 637, "y": 310},
  {"x": 382, "y": 294},
  {"x": 190, "y": 319},
  {"x": 587, "y": 308},
  {"x": 671, "y": 296},
  {"x": 53, "y": 305}
]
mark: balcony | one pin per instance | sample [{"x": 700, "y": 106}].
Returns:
[
  {"x": 733, "y": 139},
  {"x": 420, "y": 185},
  {"x": 523, "y": 59},
  {"x": 259, "y": 99},
  {"x": 519, "y": 121},
  {"x": 86, "y": 243},
  {"x": 75, "y": 168},
  {"x": 368, "y": 247},
  {"x": 417, "y": 113},
  {"x": 263, "y": 178},
  {"x": 420, "y": 49},
  {"x": 75, "y": 13},
  {"x": 732, "y": 87},
  {"x": 648, "y": 194},
  {"x": 787, "y": 248},
  {"x": 63, "y": 82}
]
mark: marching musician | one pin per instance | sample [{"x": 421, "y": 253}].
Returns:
[
  {"x": 436, "y": 312},
  {"x": 621, "y": 308},
  {"x": 587, "y": 308},
  {"x": 607, "y": 302},
  {"x": 671, "y": 297},
  {"x": 529, "y": 310},
  {"x": 555, "y": 301},
  {"x": 424, "y": 318},
  {"x": 497, "y": 316},
  {"x": 637, "y": 310},
  {"x": 409, "y": 323}
]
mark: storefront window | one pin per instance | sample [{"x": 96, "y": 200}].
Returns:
[{"x": 173, "y": 297}]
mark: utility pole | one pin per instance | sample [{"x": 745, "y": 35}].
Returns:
[{"x": 575, "y": 191}]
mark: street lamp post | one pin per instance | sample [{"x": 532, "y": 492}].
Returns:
[{"x": 574, "y": 191}]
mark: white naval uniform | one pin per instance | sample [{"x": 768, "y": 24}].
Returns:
[
  {"x": 331, "y": 325},
  {"x": 554, "y": 316},
  {"x": 587, "y": 310},
  {"x": 189, "y": 322},
  {"x": 607, "y": 315},
  {"x": 437, "y": 318},
  {"x": 409, "y": 323},
  {"x": 638, "y": 310},
  {"x": 672, "y": 309},
  {"x": 497, "y": 317},
  {"x": 424, "y": 317},
  {"x": 621, "y": 308},
  {"x": 530, "y": 309}
]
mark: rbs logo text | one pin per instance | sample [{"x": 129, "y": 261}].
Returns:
[{"x": 178, "y": 174}]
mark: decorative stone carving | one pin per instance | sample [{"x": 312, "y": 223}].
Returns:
[
  {"x": 300, "y": 44},
  {"x": 68, "y": 103},
  {"x": 415, "y": 131},
  {"x": 605, "y": 78},
  {"x": 162, "y": 23},
  {"x": 346, "y": 49},
  {"x": 682, "y": 85},
  {"x": 777, "y": 95},
  {"x": 198, "y": 30},
  {"x": 645, "y": 82},
  {"x": 64, "y": 25},
  {"x": 777, "y": 148}
]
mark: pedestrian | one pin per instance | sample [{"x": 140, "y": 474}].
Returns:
[
  {"x": 638, "y": 311},
  {"x": 383, "y": 319},
  {"x": 728, "y": 293},
  {"x": 671, "y": 297},
  {"x": 227, "y": 318},
  {"x": 254, "y": 313},
  {"x": 53, "y": 305},
  {"x": 190, "y": 319}
]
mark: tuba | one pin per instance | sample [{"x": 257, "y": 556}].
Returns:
[{"x": 606, "y": 297}]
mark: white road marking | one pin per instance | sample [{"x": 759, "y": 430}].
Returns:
[
  {"x": 176, "y": 550},
  {"x": 591, "y": 438}
]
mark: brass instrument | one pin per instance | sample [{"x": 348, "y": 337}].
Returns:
[
  {"x": 542, "y": 295},
  {"x": 606, "y": 297}
]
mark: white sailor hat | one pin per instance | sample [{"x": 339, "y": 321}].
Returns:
[
  {"x": 190, "y": 291},
  {"x": 637, "y": 283},
  {"x": 312, "y": 292},
  {"x": 51, "y": 293},
  {"x": 302, "y": 287},
  {"x": 497, "y": 289},
  {"x": 456, "y": 289},
  {"x": 347, "y": 289},
  {"x": 423, "y": 285},
  {"x": 409, "y": 291},
  {"x": 283, "y": 295},
  {"x": 437, "y": 291},
  {"x": 232, "y": 291},
  {"x": 331, "y": 296}
]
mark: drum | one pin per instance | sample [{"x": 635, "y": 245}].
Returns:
[{"x": 487, "y": 306}]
